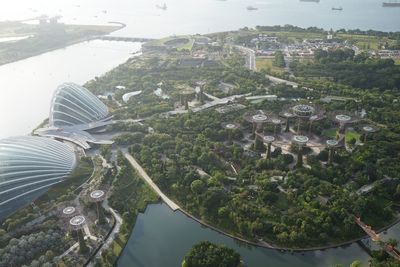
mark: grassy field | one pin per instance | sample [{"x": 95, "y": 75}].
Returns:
[
  {"x": 331, "y": 133},
  {"x": 363, "y": 41},
  {"x": 266, "y": 63},
  {"x": 188, "y": 45},
  {"x": 295, "y": 35}
]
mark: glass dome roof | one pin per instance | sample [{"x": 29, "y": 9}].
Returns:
[
  {"x": 28, "y": 166},
  {"x": 73, "y": 104}
]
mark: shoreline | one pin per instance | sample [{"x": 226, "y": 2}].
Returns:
[
  {"x": 286, "y": 249},
  {"x": 176, "y": 207},
  {"x": 69, "y": 43}
]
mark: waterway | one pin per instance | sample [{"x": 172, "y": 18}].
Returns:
[
  {"x": 144, "y": 19},
  {"x": 162, "y": 236},
  {"x": 26, "y": 86}
]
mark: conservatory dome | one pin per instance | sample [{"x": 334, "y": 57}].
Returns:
[
  {"x": 28, "y": 166},
  {"x": 73, "y": 105}
]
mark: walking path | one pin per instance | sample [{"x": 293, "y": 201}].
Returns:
[
  {"x": 279, "y": 80},
  {"x": 250, "y": 57},
  {"x": 148, "y": 180}
]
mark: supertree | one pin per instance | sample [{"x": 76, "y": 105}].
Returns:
[
  {"x": 199, "y": 92},
  {"x": 276, "y": 122},
  {"x": 300, "y": 141},
  {"x": 288, "y": 116},
  {"x": 185, "y": 93},
  {"x": 268, "y": 140},
  {"x": 230, "y": 127},
  {"x": 97, "y": 196},
  {"x": 258, "y": 119},
  {"x": 304, "y": 112},
  {"x": 367, "y": 129},
  {"x": 77, "y": 223},
  {"x": 67, "y": 211},
  {"x": 344, "y": 118},
  {"x": 331, "y": 145}
]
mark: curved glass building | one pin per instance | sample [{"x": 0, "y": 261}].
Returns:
[
  {"x": 28, "y": 167},
  {"x": 74, "y": 105}
]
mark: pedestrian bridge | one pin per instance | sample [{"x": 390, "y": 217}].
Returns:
[{"x": 123, "y": 39}]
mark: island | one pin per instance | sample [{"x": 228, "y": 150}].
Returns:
[
  {"x": 207, "y": 254},
  {"x": 19, "y": 40}
]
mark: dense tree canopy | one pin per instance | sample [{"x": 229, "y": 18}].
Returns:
[{"x": 206, "y": 254}]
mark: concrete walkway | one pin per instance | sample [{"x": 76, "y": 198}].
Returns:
[
  {"x": 148, "y": 180},
  {"x": 279, "y": 80}
]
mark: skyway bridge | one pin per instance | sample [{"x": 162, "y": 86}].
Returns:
[
  {"x": 391, "y": 250},
  {"x": 122, "y": 38}
]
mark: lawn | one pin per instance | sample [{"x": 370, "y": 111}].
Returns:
[
  {"x": 266, "y": 63},
  {"x": 296, "y": 35},
  {"x": 363, "y": 41},
  {"x": 331, "y": 133},
  {"x": 163, "y": 42}
]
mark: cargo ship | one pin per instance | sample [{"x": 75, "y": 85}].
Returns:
[
  {"x": 251, "y": 8},
  {"x": 391, "y": 4}
]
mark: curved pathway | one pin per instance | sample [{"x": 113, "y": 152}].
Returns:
[{"x": 148, "y": 180}]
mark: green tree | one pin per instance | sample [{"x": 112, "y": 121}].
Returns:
[
  {"x": 207, "y": 254},
  {"x": 197, "y": 187},
  {"x": 356, "y": 263}
]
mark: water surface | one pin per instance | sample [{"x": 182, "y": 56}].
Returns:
[
  {"x": 162, "y": 237},
  {"x": 26, "y": 86}
]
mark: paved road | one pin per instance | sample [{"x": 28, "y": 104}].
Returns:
[
  {"x": 147, "y": 178},
  {"x": 250, "y": 57}
]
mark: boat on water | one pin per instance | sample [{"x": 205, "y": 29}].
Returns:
[
  {"x": 393, "y": 3},
  {"x": 163, "y": 6},
  {"x": 337, "y": 8},
  {"x": 316, "y": 1},
  {"x": 250, "y": 8}
]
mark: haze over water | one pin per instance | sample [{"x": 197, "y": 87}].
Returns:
[
  {"x": 144, "y": 19},
  {"x": 162, "y": 237}
]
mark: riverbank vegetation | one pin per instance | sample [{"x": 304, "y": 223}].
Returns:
[
  {"x": 130, "y": 196},
  {"x": 207, "y": 254}
]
